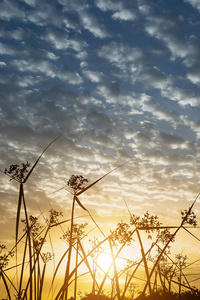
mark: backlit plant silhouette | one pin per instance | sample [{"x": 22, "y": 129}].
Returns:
[{"x": 160, "y": 271}]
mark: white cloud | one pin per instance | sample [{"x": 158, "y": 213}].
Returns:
[
  {"x": 167, "y": 30},
  {"x": 193, "y": 76},
  {"x": 121, "y": 10},
  {"x": 77, "y": 43},
  {"x": 18, "y": 34},
  {"x": 11, "y": 10},
  {"x": 170, "y": 140},
  {"x": 121, "y": 55},
  {"x": 44, "y": 14},
  {"x": 51, "y": 55},
  {"x": 106, "y": 5},
  {"x": 182, "y": 96},
  {"x": 93, "y": 76},
  {"x": 72, "y": 77},
  {"x": 157, "y": 110},
  {"x": 194, "y": 3},
  {"x": 59, "y": 39},
  {"x": 88, "y": 20},
  {"x": 31, "y": 2},
  {"x": 6, "y": 49},
  {"x": 125, "y": 15},
  {"x": 152, "y": 77},
  {"x": 91, "y": 23},
  {"x": 44, "y": 67}
]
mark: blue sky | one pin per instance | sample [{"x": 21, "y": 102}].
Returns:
[{"x": 119, "y": 81}]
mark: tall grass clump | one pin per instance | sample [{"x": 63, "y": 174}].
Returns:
[{"x": 160, "y": 271}]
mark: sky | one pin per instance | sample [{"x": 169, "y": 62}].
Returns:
[{"x": 119, "y": 82}]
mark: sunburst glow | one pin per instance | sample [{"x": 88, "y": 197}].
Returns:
[{"x": 104, "y": 261}]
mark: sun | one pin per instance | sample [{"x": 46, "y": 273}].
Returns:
[{"x": 104, "y": 261}]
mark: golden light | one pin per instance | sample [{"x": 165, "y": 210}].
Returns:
[{"x": 104, "y": 261}]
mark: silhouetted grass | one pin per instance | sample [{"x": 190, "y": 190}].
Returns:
[{"x": 29, "y": 282}]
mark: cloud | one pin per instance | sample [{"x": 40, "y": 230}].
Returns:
[
  {"x": 193, "y": 76},
  {"x": 121, "y": 55},
  {"x": 113, "y": 94},
  {"x": 158, "y": 110},
  {"x": 18, "y": 34},
  {"x": 44, "y": 67},
  {"x": 152, "y": 77},
  {"x": 161, "y": 158},
  {"x": 91, "y": 23},
  {"x": 88, "y": 20},
  {"x": 121, "y": 11},
  {"x": 71, "y": 76},
  {"x": 182, "y": 96},
  {"x": 169, "y": 140},
  {"x": 98, "y": 120},
  {"x": 194, "y": 3},
  {"x": 167, "y": 30},
  {"x": 6, "y": 49},
  {"x": 11, "y": 9},
  {"x": 124, "y": 15},
  {"x": 44, "y": 14},
  {"x": 94, "y": 76},
  {"x": 59, "y": 39}
]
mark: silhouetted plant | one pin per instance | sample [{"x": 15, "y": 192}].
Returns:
[
  {"x": 164, "y": 236},
  {"x": 149, "y": 223},
  {"x": 35, "y": 236},
  {"x": 77, "y": 233},
  {"x": 17, "y": 173},
  {"x": 77, "y": 182},
  {"x": 95, "y": 297},
  {"x": 34, "y": 228},
  {"x": 95, "y": 255},
  {"x": 189, "y": 217},
  {"x": 184, "y": 220},
  {"x": 54, "y": 217},
  {"x": 180, "y": 263},
  {"x": 4, "y": 260},
  {"x": 46, "y": 257},
  {"x": 4, "y": 256},
  {"x": 122, "y": 234},
  {"x": 132, "y": 290}
]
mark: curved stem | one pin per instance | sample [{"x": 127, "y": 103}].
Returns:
[{"x": 66, "y": 281}]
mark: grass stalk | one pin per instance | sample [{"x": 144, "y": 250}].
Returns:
[
  {"x": 114, "y": 268},
  {"x": 5, "y": 284},
  {"x": 169, "y": 241},
  {"x": 144, "y": 260},
  {"x": 66, "y": 279}
]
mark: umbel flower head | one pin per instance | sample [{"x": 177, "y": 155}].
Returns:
[
  {"x": 17, "y": 173},
  {"x": 76, "y": 182}
]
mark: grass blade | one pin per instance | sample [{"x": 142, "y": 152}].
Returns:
[
  {"x": 115, "y": 269},
  {"x": 6, "y": 286},
  {"x": 89, "y": 186},
  {"x": 170, "y": 239},
  {"x": 80, "y": 204},
  {"x": 144, "y": 260},
  {"x": 18, "y": 210},
  {"x": 33, "y": 167}
]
